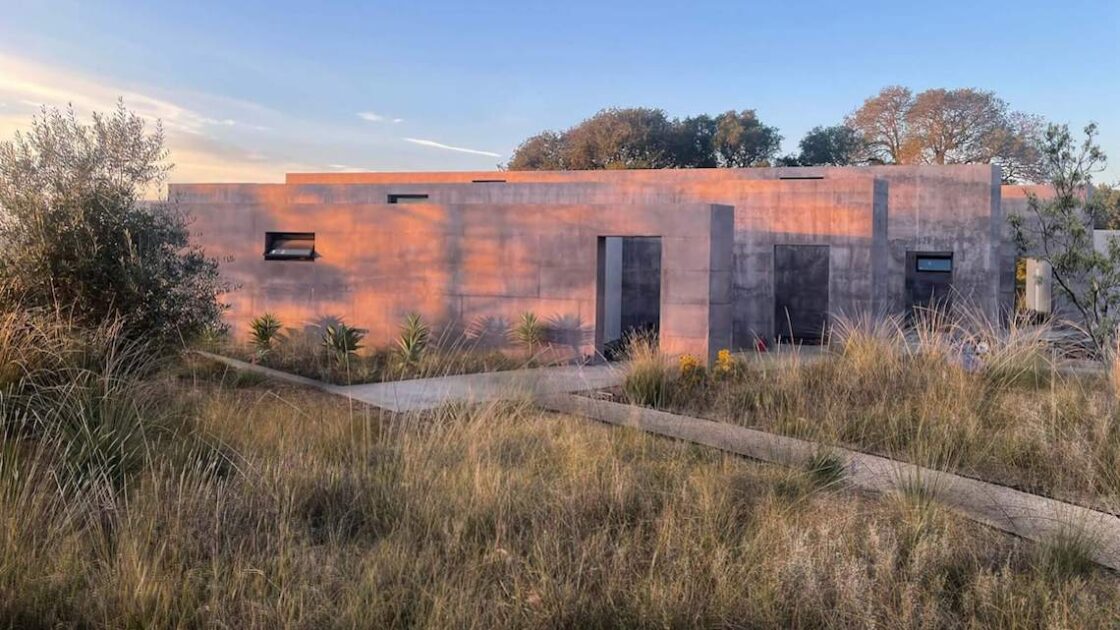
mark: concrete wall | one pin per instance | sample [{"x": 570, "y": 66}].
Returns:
[
  {"x": 930, "y": 208},
  {"x": 457, "y": 264},
  {"x": 869, "y": 216}
]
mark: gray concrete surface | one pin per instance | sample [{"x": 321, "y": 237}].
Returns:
[
  {"x": 430, "y": 393},
  {"x": 525, "y": 241},
  {"x": 1031, "y": 516}
]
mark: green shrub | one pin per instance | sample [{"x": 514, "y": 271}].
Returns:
[
  {"x": 826, "y": 468},
  {"x": 529, "y": 331},
  {"x": 264, "y": 331},
  {"x": 342, "y": 341},
  {"x": 413, "y": 340},
  {"x": 105, "y": 255}
]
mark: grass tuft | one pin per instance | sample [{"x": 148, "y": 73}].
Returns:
[
  {"x": 1066, "y": 555},
  {"x": 648, "y": 373}
]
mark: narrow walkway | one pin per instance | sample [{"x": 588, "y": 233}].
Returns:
[
  {"x": 1028, "y": 515},
  {"x": 430, "y": 393}
]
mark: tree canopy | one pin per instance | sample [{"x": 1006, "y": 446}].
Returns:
[
  {"x": 77, "y": 235},
  {"x": 647, "y": 138},
  {"x": 895, "y": 126},
  {"x": 831, "y": 146},
  {"x": 958, "y": 126}
]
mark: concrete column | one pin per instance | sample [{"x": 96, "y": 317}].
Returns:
[{"x": 612, "y": 289}]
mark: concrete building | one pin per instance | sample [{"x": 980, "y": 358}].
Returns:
[{"x": 713, "y": 258}]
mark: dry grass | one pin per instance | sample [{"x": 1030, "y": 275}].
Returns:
[
  {"x": 1010, "y": 417},
  {"x": 649, "y": 373},
  {"x": 253, "y": 505}
]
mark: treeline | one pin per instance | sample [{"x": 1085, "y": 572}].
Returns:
[{"x": 895, "y": 126}]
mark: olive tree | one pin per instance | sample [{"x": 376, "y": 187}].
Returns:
[
  {"x": 1059, "y": 230},
  {"x": 77, "y": 234}
]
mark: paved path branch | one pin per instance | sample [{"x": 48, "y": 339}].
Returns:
[{"x": 1028, "y": 515}]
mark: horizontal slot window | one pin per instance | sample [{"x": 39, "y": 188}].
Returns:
[
  {"x": 939, "y": 264},
  {"x": 289, "y": 246},
  {"x": 407, "y": 198},
  {"x": 488, "y": 181}
]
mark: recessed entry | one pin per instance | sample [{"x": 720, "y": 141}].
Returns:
[
  {"x": 929, "y": 280},
  {"x": 629, "y": 290},
  {"x": 801, "y": 292}
]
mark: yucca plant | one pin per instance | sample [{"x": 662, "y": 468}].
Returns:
[
  {"x": 342, "y": 341},
  {"x": 264, "y": 331},
  {"x": 530, "y": 331},
  {"x": 413, "y": 339}
]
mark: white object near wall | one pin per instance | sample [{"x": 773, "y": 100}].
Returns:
[{"x": 1038, "y": 289}]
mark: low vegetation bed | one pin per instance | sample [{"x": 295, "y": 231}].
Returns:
[
  {"x": 1008, "y": 415},
  {"x": 334, "y": 352},
  {"x": 307, "y": 357}
]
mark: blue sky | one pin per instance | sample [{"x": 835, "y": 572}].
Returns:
[{"x": 250, "y": 90}]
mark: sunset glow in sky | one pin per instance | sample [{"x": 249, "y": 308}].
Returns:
[{"x": 249, "y": 92}]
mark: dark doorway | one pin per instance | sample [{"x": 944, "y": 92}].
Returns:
[
  {"x": 641, "y": 284},
  {"x": 801, "y": 292},
  {"x": 929, "y": 281},
  {"x": 629, "y": 290}
]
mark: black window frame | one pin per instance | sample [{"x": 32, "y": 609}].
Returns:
[
  {"x": 919, "y": 257},
  {"x": 395, "y": 198},
  {"x": 270, "y": 239}
]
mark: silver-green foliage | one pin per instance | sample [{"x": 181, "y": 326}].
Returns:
[
  {"x": 1059, "y": 230},
  {"x": 77, "y": 232}
]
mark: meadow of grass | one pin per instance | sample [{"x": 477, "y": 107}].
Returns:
[
  {"x": 150, "y": 494},
  {"x": 1011, "y": 417}
]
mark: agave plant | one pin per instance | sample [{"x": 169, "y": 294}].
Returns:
[
  {"x": 414, "y": 338},
  {"x": 264, "y": 332},
  {"x": 529, "y": 332},
  {"x": 343, "y": 341}
]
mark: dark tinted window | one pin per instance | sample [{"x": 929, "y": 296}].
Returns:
[
  {"x": 935, "y": 263},
  {"x": 289, "y": 246},
  {"x": 407, "y": 198}
]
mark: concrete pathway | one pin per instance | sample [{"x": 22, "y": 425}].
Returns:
[
  {"x": 430, "y": 393},
  {"x": 1028, "y": 515}
]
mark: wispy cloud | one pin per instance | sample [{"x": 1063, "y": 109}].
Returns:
[
  {"x": 378, "y": 118},
  {"x": 26, "y": 86},
  {"x": 448, "y": 147}
]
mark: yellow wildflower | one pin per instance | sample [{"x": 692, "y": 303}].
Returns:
[
  {"x": 688, "y": 364},
  {"x": 725, "y": 363}
]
